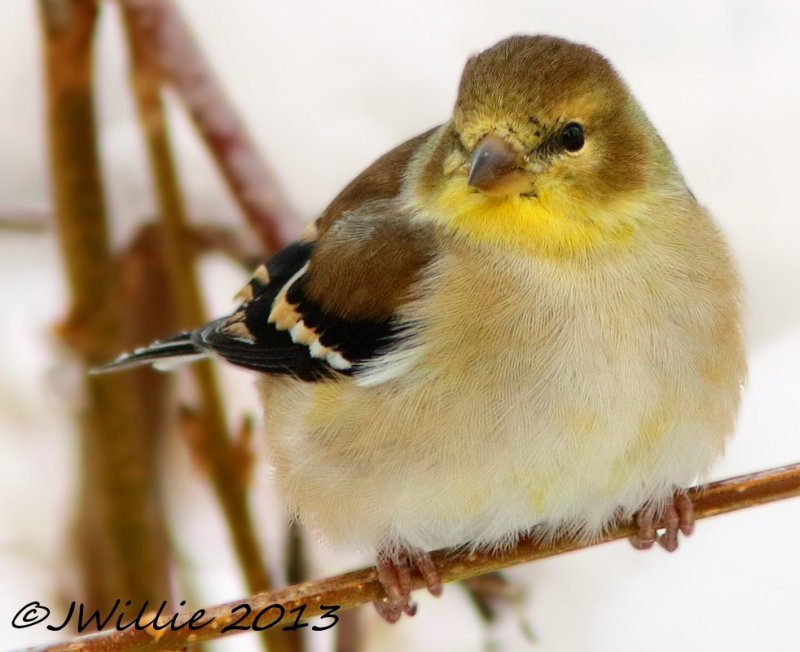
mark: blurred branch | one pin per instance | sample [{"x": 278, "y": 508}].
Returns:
[
  {"x": 227, "y": 464},
  {"x": 146, "y": 312},
  {"x": 26, "y": 220},
  {"x": 120, "y": 533},
  {"x": 349, "y": 632},
  {"x": 296, "y": 565},
  {"x": 296, "y": 562},
  {"x": 490, "y": 593},
  {"x": 205, "y": 238},
  {"x": 166, "y": 35},
  {"x": 361, "y": 586}
]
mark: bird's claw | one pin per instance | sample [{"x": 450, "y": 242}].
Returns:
[
  {"x": 677, "y": 517},
  {"x": 394, "y": 574}
]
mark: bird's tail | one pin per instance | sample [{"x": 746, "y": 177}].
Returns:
[{"x": 164, "y": 356}]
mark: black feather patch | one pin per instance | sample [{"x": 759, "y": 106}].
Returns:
[
  {"x": 356, "y": 340},
  {"x": 286, "y": 262},
  {"x": 249, "y": 339}
]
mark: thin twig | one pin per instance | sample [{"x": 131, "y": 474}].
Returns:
[
  {"x": 26, "y": 220},
  {"x": 227, "y": 475},
  {"x": 361, "y": 586},
  {"x": 249, "y": 179},
  {"x": 208, "y": 238}
]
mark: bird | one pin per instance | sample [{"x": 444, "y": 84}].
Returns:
[{"x": 519, "y": 321}]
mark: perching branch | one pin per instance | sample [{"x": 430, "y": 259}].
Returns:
[
  {"x": 361, "y": 586},
  {"x": 184, "y": 67}
]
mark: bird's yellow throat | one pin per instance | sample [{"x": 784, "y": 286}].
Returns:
[{"x": 548, "y": 225}]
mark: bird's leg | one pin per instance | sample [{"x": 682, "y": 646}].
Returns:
[
  {"x": 678, "y": 516},
  {"x": 394, "y": 574}
]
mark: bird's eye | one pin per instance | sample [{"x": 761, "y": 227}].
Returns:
[{"x": 572, "y": 137}]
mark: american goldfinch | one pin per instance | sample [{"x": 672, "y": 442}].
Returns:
[{"x": 521, "y": 317}]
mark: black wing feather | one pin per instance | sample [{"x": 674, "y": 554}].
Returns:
[
  {"x": 270, "y": 350},
  {"x": 248, "y": 339},
  {"x": 260, "y": 346}
]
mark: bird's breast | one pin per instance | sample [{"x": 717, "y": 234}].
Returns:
[{"x": 527, "y": 392}]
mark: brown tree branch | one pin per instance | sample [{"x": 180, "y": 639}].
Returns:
[
  {"x": 228, "y": 476},
  {"x": 120, "y": 535},
  {"x": 249, "y": 179},
  {"x": 361, "y": 586}
]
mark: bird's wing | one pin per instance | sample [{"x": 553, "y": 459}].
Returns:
[
  {"x": 324, "y": 307},
  {"x": 327, "y": 303}
]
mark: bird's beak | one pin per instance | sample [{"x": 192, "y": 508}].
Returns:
[{"x": 495, "y": 168}]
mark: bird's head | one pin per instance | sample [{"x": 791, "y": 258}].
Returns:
[{"x": 547, "y": 151}]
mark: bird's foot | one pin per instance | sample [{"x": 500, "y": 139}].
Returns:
[
  {"x": 394, "y": 574},
  {"x": 678, "y": 516}
]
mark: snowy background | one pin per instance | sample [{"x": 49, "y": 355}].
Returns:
[{"x": 327, "y": 87}]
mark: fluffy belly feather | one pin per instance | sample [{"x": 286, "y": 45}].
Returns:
[
  {"x": 581, "y": 407},
  {"x": 434, "y": 468}
]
